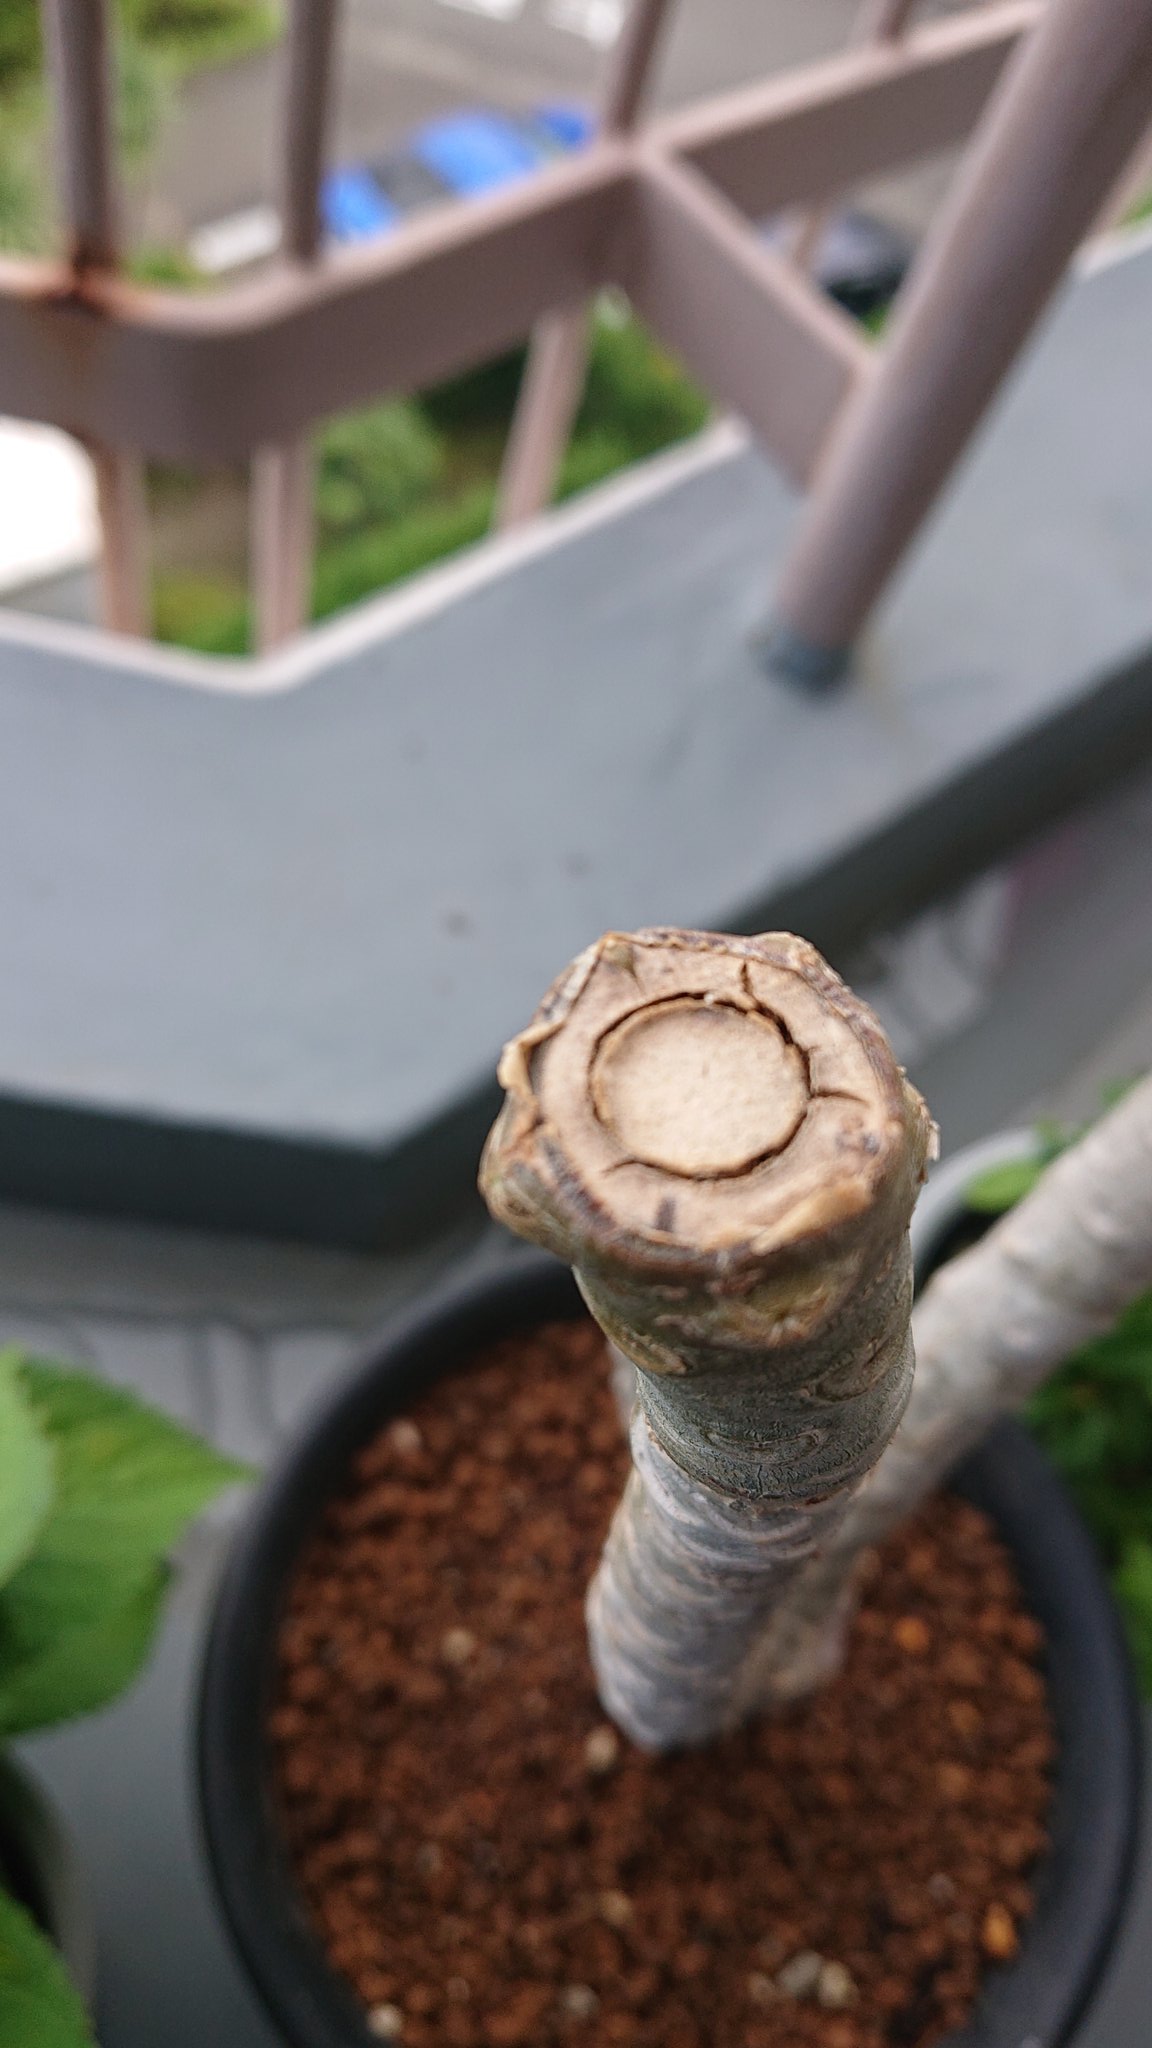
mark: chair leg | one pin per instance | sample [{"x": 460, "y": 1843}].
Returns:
[{"x": 1072, "y": 108}]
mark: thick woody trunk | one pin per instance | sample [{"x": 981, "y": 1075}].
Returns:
[
  {"x": 991, "y": 1327},
  {"x": 714, "y": 1133}
]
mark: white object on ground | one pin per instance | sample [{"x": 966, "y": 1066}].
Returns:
[
  {"x": 235, "y": 241},
  {"x": 599, "y": 22},
  {"x": 48, "y": 519}
]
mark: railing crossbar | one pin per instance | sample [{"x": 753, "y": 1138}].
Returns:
[
  {"x": 663, "y": 209},
  {"x": 281, "y": 518}
]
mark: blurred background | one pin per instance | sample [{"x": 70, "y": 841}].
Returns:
[{"x": 430, "y": 100}]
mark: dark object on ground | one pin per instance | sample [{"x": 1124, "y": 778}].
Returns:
[
  {"x": 1080, "y": 1883},
  {"x": 860, "y": 261}
]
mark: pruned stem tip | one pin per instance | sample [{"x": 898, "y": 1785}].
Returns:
[{"x": 714, "y": 1133}]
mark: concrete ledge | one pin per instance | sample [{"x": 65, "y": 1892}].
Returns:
[{"x": 266, "y": 925}]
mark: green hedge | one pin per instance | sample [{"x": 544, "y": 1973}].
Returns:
[
  {"x": 384, "y": 555},
  {"x": 189, "y": 32},
  {"x": 408, "y": 482},
  {"x": 374, "y": 467}
]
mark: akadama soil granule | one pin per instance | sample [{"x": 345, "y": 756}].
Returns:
[{"x": 491, "y": 1865}]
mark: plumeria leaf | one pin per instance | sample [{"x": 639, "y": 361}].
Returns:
[
  {"x": 78, "y": 1615},
  {"x": 129, "y": 1480},
  {"x": 39, "y": 2008},
  {"x": 52, "y": 1669},
  {"x": 27, "y": 1469},
  {"x": 1003, "y": 1186},
  {"x": 1133, "y": 1582}
]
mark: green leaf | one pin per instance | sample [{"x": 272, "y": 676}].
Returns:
[
  {"x": 27, "y": 1467},
  {"x": 1133, "y": 1583},
  {"x": 39, "y": 2008},
  {"x": 1114, "y": 1091},
  {"x": 77, "y": 1618},
  {"x": 51, "y": 1670},
  {"x": 1003, "y": 1186},
  {"x": 128, "y": 1480}
]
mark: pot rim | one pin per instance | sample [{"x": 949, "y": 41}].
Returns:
[
  {"x": 1034, "y": 2002},
  {"x": 942, "y": 1202}
]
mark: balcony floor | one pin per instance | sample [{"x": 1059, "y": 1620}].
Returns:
[{"x": 265, "y": 926}]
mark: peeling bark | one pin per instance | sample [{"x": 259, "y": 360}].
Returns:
[
  {"x": 714, "y": 1133},
  {"x": 991, "y": 1327}
]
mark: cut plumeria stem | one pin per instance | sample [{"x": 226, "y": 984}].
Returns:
[
  {"x": 991, "y": 1327},
  {"x": 714, "y": 1133}
]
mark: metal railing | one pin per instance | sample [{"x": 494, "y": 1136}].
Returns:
[{"x": 664, "y": 209}]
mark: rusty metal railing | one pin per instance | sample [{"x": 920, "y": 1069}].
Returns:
[
  {"x": 79, "y": 57},
  {"x": 663, "y": 209}
]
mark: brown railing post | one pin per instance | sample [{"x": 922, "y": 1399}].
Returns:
[
  {"x": 281, "y": 520},
  {"x": 879, "y": 21},
  {"x": 1062, "y": 125},
  {"x": 558, "y": 353},
  {"x": 79, "y": 60}
]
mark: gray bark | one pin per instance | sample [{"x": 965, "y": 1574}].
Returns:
[
  {"x": 991, "y": 1327},
  {"x": 714, "y": 1132}
]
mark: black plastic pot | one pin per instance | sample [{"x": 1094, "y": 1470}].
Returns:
[
  {"x": 1033, "y": 2003},
  {"x": 40, "y": 1867}
]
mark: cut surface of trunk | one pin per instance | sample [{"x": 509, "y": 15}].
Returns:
[{"x": 714, "y": 1133}]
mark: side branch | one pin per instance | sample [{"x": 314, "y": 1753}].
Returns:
[{"x": 992, "y": 1326}]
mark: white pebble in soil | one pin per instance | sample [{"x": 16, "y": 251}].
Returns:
[
  {"x": 457, "y": 1645},
  {"x": 615, "y": 1908},
  {"x": 809, "y": 1975},
  {"x": 405, "y": 1437},
  {"x": 602, "y": 1750},
  {"x": 386, "y": 2022},
  {"x": 579, "y": 2002},
  {"x": 835, "y": 1988},
  {"x": 800, "y": 1974}
]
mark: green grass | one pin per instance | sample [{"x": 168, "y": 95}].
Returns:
[
  {"x": 1094, "y": 1419},
  {"x": 210, "y": 613},
  {"x": 385, "y": 555}
]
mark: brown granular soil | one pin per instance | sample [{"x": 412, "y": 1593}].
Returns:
[{"x": 490, "y": 1865}]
